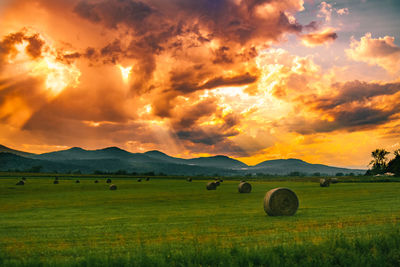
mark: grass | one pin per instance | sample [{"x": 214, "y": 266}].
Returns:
[{"x": 174, "y": 222}]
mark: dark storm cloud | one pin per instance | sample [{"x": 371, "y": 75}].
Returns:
[
  {"x": 7, "y": 45},
  {"x": 354, "y": 107},
  {"x": 354, "y": 91}
]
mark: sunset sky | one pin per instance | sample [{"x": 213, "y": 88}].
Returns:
[{"x": 251, "y": 79}]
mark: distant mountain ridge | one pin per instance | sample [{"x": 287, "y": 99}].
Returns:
[{"x": 112, "y": 159}]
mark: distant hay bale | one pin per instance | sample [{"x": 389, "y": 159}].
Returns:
[
  {"x": 148, "y": 179},
  {"x": 96, "y": 181},
  {"x": 324, "y": 182},
  {"x": 189, "y": 179},
  {"x": 20, "y": 183},
  {"x": 77, "y": 181},
  {"x": 108, "y": 181},
  {"x": 334, "y": 180},
  {"x": 211, "y": 186},
  {"x": 139, "y": 180},
  {"x": 55, "y": 182},
  {"x": 113, "y": 187},
  {"x": 244, "y": 187},
  {"x": 281, "y": 202}
]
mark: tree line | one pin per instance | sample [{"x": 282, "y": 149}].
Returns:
[{"x": 382, "y": 165}]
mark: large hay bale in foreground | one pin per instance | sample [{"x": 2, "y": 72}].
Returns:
[
  {"x": 244, "y": 187},
  {"x": 113, "y": 187},
  {"x": 108, "y": 181},
  {"x": 211, "y": 186},
  {"x": 20, "y": 183},
  {"x": 324, "y": 182},
  {"x": 55, "y": 182},
  {"x": 281, "y": 202},
  {"x": 334, "y": 180},
  {"x": 189, "y": 179},
  {"x": 96, "y": 181}
]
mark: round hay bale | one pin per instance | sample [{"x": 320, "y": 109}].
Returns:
[
  {"x": 20, "y": 183},
  {"x": 113, "y": 187},
  {"x": 281, "y": 202},
  {"x": 244, "y": 187},
  {"x": 55, "y": 182},
  {"x": 108, "y": 181},
  {"x": 189, "y": 179},
  {"x": 148, "y": 179},
  {"x": 96, "y": 181},
  {"x": 324, "y": 182},
  {"x": 77, "y": 181},
  {"x": 334, "y": 180},
  {"x": 211, "y": 186}
]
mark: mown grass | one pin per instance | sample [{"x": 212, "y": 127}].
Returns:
[{"x": 174, "y": 222}]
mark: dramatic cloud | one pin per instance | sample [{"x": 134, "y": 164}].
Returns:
[
  {"x": 381, "y": 51},
  {"x": 190, "y": 77}
]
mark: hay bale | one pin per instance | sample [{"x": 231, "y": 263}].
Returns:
[
  {"x": 55, "y": 182},
  {"x": 189, "y": 179},
  {"x": 211, "y": 186},
  {"x": 148, "y": 179},
  {"x": 108, "y": 181},
  {"x": 139, "y": 180},
  {"x": 96, "y": 181},
  {"x": 20, "y": 183},
  {"x": 244, "y": 187},
  {"x": 113, "y": 187},
  {"x": 77, "y": 181},
  {"x": 324, "y": 182},
  {"x": 334, "y": 180},
  {"x": 281, "y": 202}
]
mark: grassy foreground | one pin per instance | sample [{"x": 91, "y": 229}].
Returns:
[{"x": 174, "y": 222}]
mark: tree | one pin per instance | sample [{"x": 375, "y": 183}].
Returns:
[
  {"x": 394, "y": 165},
  {"x": 379, "y": 162}
]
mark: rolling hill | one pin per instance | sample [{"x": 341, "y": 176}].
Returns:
[{"x": 113, "y": 159}]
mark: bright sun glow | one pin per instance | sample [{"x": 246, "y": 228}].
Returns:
[
  {"x": 56, "y": 74},
  {"x": 125, "y": 72}
]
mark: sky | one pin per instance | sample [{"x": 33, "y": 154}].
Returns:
[{"x": 251, "y": 79}]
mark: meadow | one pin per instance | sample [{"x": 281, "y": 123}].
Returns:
[{"x": 172, "y": 222}]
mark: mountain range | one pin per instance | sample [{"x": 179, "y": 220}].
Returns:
[{"x": 114, "y": 159}]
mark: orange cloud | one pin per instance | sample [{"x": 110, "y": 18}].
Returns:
[
  {"x": 380, "y": 51},
  {"x": 319, "y": 38}
]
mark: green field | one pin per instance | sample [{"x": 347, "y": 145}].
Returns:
[{"x": 172, "y": 222}]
